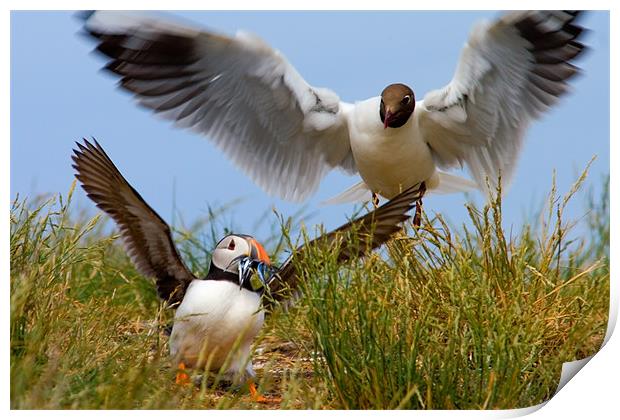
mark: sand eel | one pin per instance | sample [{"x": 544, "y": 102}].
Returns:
[
  {"x": 287, "y": 135},
  {"x": 217, "y": 317}
]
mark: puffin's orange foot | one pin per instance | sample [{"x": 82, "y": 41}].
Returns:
[
  {"x": 182, "y": 376},
  {"x": 257, "y": 397},
  {"x": 254, "y": 392}
]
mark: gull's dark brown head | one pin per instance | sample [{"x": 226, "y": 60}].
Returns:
[{"x": 397, "y": 105}]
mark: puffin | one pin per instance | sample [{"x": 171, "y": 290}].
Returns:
[
  {"x": 217, "y": 317},
  {"x": 286, "y": 135}
]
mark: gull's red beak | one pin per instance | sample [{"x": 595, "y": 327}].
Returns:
[{"x": 387, "y": 119}]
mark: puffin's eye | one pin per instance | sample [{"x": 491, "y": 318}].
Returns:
[
  {"x": 231, "y": 245},
  {"x": 406, "y": 100}
]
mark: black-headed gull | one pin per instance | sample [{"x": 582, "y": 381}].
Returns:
[
  {"x": 217, "y": 317},
  {"x": 287, "y": 135}
]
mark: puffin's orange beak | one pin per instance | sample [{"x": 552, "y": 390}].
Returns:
[{"x": 260, "y": 252}]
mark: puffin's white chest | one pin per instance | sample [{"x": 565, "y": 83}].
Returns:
[
  {"x": 214, "y": 318},
  {"x": 389, "y": 160}
]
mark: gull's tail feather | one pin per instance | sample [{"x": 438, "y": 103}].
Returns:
[
  {"x": 449, "y": 184},
  {"x": 356, "y": 194}
]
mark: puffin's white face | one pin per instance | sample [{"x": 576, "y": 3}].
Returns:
[
  {"x": 228, "y": 250},
  {"x": 232, "y": 247}
]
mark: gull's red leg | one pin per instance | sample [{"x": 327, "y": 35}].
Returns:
[
  {"x": 375, "y": 200},
  {"x": 417, "y": 218}
]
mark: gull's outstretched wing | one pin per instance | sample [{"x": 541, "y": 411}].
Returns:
[
  {"x": 238, "y": 91},
  {"x": 145, "y": 234},
  {"x": 509, "y": 73}
]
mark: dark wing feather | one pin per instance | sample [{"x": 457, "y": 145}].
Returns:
[
  {"x": 373, "y": 230},
  {"x": 145, "y": 234}
]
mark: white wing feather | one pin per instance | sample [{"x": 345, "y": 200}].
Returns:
[
  {"x": 509, "y": 72},
  {"x": 243, "y": 95}
]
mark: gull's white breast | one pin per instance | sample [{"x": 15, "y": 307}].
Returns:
[
  {"x": 214, "y": 318},
  {"x": 389, "y": 160}
]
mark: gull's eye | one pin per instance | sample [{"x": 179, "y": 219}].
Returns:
[
  {"x": 231, "y": 245},
  {"x": 406, "y": 100}
]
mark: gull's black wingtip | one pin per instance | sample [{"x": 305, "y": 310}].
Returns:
[{"x": 84, "y": 15}]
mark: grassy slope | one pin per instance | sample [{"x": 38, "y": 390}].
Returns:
[{"x": 437, "y": 319}]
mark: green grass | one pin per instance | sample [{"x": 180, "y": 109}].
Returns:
[{"x": 439, "y": 318}]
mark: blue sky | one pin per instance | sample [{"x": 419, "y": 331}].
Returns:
[{"x": 58, "y": 95}]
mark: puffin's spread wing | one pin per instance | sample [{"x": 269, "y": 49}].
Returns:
[
  {"x": 145, "y": 234},
  {"x": 373, "y": 229},
  {"x": 245, "y": 96},
  {"x": 509, "y": 72}
]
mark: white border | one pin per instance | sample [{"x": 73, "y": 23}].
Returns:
[{"x": 592, "y": 393}]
